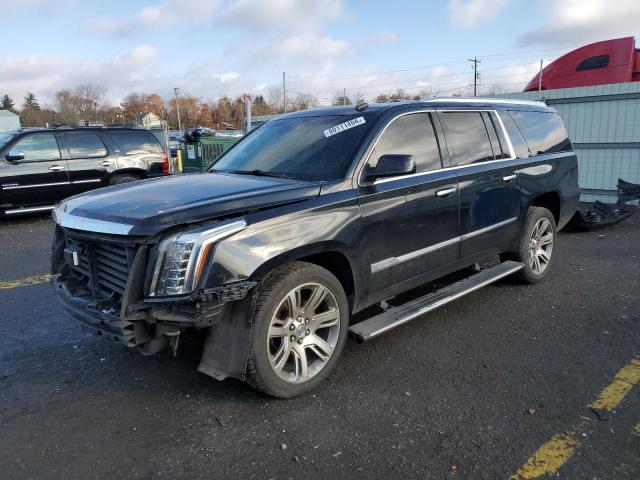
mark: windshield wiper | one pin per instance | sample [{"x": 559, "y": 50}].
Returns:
[{"x": 257, "y": 173}]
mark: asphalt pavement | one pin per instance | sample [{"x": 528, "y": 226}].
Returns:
[{"x": 496, "y": 384}]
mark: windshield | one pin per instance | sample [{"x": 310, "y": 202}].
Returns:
[
  {"x": 304, "y": 148},
  {"x": 5, "y": 137}
]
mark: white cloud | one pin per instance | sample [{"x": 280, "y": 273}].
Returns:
[
  {"x": 469, "y": 13},
  {"x": 283, "y": 14},
  {"x": 387, "y": 36},
  {"x": 168, "y": 12},
  {"x": 227, "y": 76},
  {"x": 577, "y": 22}
]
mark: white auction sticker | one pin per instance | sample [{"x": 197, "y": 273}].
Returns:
[{"x": 344, "y": 126}]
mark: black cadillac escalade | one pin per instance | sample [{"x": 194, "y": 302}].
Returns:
[{"x": 311, "y": 218}]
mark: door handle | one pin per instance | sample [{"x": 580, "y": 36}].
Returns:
[
  {"x": 445, "y": 192},
  {"x": 56, "y": 168},
  {"x": 508, "y": 178},
  {"x": 107, "y": 163}
]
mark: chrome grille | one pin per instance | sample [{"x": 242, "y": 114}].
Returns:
[{"x": 103, "y": 266}]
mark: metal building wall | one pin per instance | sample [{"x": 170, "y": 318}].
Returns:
[
  {"x": 8, "y": 121},
  {"x": 604, "y": 125}
]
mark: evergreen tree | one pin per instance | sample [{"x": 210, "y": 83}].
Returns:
[
  {"x": 7, "y": 103},
  {"x": 30, "y": 102}
]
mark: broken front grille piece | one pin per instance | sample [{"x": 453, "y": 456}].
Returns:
[{"x": 103, "y": 266}]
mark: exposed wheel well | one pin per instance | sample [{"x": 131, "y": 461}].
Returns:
[
  {"x": 339, "y": 266},
  {"x": 133, "y": 172},
  {"x": 550, "y": 201}
]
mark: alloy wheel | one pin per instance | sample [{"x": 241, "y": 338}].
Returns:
[
  {"x": 303, "y": 332},
  {"x": 540, "y": 246}
]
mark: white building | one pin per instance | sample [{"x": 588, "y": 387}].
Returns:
[{"x": 9, "y": 121}]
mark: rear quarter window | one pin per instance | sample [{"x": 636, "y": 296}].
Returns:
[
  {"x": 544, "y": 132},
  {"x": 136, "y": 141},
  {"x": 520, "y": 147}
]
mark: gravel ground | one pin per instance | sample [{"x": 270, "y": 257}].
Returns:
[{"x": 469, "y": 391}]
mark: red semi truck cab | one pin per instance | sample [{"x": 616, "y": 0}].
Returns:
[{"x": 610, "y": 61}]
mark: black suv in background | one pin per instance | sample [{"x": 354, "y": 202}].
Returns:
[
  {"x": 40, "y": 167},
  {"x": 311, "y": 218}
]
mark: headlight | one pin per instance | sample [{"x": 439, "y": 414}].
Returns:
[{"x": 183, "y": 258}]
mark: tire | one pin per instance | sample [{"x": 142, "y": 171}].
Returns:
[
  {"x": 123, "y": 178},
  {"x": 280, "y": 339},
  {"x": 539, "y": 226}
]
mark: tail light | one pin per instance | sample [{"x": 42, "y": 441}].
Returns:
[{"x": 165, "y": 163}]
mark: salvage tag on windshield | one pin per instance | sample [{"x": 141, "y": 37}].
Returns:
[{"x": 344, "y": 126}]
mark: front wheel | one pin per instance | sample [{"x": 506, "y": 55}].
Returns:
[
  {"x": 299, "y": 330},
  {"x": 535, "y": 247}
]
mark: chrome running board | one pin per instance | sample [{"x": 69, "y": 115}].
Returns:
[{"x": 396, "y": 316}]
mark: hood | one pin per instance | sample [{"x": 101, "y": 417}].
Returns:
[{"x": 150, "y": 206}]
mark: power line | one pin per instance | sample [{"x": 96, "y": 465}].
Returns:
[
  {"x": 513, "y": 54},
  {"x": 423, "y": 78}
]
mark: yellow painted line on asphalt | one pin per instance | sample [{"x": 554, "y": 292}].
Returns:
[
  {"x": 637, "y": 428},
  {"x": 35, "y": 280},
  {"x": 623, "y": 382},
  {"x": 549, "y": 457},
  {"x": 555, "y": 453}
]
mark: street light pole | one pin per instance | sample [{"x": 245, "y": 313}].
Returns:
[{"x": 175, "y": 91}]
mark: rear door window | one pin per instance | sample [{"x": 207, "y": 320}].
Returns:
[
  {"x": 411, "y": 134},
  {"x": 84, "y": 145},
  {"x": 520, "y": 147},
  {"x": 39, "y": 147},
  {"x": 467, "y": 137},
  {"x": 136, "y": 141},
  {"x": 544, "y": 132}
]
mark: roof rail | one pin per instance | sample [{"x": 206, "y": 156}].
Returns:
[{"x": 514, "y": 101}]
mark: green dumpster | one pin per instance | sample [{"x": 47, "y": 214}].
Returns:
[{"x": 199, "y": 154}]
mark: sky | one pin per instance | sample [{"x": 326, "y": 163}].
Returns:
[{"x": 210, "y": 48}]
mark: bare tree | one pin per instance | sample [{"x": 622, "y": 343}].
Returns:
[
  {"x": 304, "y": 101},
  {"x": 89, "y": 97}
]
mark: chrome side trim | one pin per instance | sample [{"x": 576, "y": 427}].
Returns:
[
  {"x": 394, "y": 261},
  {"x": 89, "y": 224},
  {"x": 16, "y": 187},
  {"x": 27, "y": 210},
  {"x": 475, "y": 233},
  {"x": 96, "y": 180}
]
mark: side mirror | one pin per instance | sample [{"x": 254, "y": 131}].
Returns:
[
  {"x": 14, "y": 155},
  {"x": 391, "y": 166}
]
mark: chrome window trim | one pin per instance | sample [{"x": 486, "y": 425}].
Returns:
[
  {"x": 372, "y": 147},
  {"x": 394, "y": 261},
  {"x": 75, "y": 222},
  {"x": 367, "y": 156}
]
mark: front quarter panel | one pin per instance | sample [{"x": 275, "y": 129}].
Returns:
[{"x": 330, "y": 222}]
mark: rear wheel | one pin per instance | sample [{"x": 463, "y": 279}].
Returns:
[
  {"x": 535, "y": 247},
  {"x": 299, "y": 329},
  {"x": 123, "y": 178}
]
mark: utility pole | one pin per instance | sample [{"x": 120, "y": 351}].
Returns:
[
  {"x": 344, "y": 96},
  {"x": 540, "y": 81},
  {"x": 475, "y": 62},
  {"x": 175, "y": 91},
  {"x": 284, "y": 91}
]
